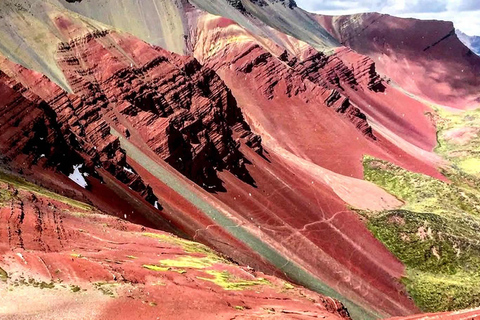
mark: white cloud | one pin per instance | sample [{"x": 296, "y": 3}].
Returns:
[{"x": 465, "y": 14}]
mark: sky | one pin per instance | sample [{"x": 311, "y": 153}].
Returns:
[{"x": 465, "y": 14}]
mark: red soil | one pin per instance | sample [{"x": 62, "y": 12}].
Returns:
[{"x": 47, "y": 240}]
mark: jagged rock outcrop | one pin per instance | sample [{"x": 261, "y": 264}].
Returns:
[
  {"x": 326, "y": 76},
  {"x": 181, "y": 110},
  {"x": 30, "y": 132},
  {"x": 59, "y": 131}
]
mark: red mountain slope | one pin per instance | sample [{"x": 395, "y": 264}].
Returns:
[{"x": 252, "y": 143}]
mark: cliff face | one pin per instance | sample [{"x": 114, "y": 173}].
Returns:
[
  {"x": 59, "y": 131},
  {"x": 31, "y": 133},
  {"x": 180, "y": 110}
]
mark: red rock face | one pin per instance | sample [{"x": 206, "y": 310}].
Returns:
[
  {"x": 180, "y": 110},
  {"x": 57, "y": 133},
  {"x": 62, "y": 258},
  {"x": 423, "y": 57}
]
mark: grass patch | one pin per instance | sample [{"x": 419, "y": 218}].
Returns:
[
  {"x": 459, "y": 139},
  {"x": 163, "y": 269},
  {"x": 5, "y": 196},
  {"x": 420, "y": 192},
  {"x": 189, "y": 262},
  {"x": 470, "y": 166},
  {"x": 188, "y": 246},
  {"x": 443, "y": 292},
  {"x": 34, "y": 283},
  {"x": 228, "y": 282},
  {"x": 22, "y": 184},
  {"x": 436, "y": 235},
  {"x": 288, "y": 286}
]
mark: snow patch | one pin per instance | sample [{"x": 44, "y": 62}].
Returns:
[
  {"x": 156, "y": 205},
  {"x": 78, "y": 177},
  {"x": 128, "y": 170}
]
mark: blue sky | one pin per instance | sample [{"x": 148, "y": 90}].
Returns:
[{"x": 465, "y": 14}]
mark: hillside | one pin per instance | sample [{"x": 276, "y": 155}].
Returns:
[{"x": 336, "y": 153}]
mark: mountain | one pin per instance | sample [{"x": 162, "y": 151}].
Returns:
[
  {"x": 472, "y": 42},
  {"x": 336, "y": 153}
]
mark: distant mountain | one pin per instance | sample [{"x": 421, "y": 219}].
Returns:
[{"x": 472, "y": 42}]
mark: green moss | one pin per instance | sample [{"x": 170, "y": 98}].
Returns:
[
  {"x": 5, "y": 196},
  {"x": 155, "y": 268},
  {"x": 288, "y": 286},
  {"x": 189, "y": 262},
  {"x": 241, "y": 308},
  {"x": 228, "y": 282},
  {"x": 131, "y": 257},
  {"x": 37, "y": 284}
]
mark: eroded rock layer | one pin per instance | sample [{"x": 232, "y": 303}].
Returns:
[{"x": 62, "y": 258}]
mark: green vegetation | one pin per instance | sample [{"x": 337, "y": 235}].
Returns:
[
  {"x": 228, "y": 282},
  {"x": 288, "y": 286},
  {"x": 188, "y": 262},
  {"x": 5, "y": 196},
  {"x": 436, "y": 235},
  {"x": 22, "y": 184},
  {"x": 189, "y": 246},
  {"x": 420, "y": 192},
  {"x": 105, "y": 288},
  {"x": 3, "y": 275},
  {"x": 75, "y": 288},
  {"x": 207, "y": 257},
  {"x": 459, "y": 140},
  {"x": 163, "y": 269},
  {"x": 34, "y": 283}
]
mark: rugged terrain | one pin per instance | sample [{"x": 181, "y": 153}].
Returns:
[
  {"x": 472, "y": 42},
  {"x": 339, "y": 153}
]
